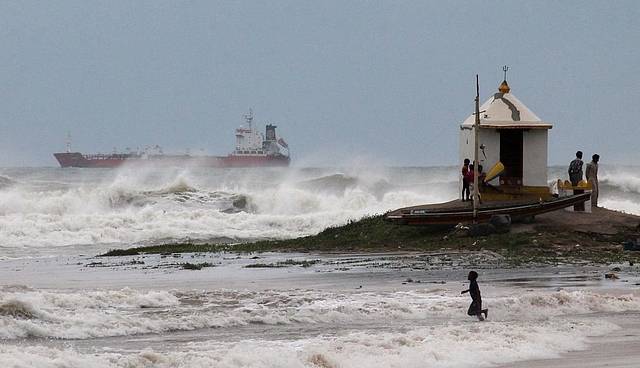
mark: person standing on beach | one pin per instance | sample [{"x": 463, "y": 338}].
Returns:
[
  {"x": 470, "y": 177},
  {"x": 592, "y": 174},
  {"x": 465, "y": 181},
  {"x": 475, "y": 309},
  {"x": 471, "y": 180},
  {"x": 575, "y": 169}
]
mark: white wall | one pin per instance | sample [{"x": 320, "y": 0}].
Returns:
[
  {"x": 466, "y": 145},
  {"x": 535, "y": 142},
  {"x": 491, "y": 139},
  {"x": 535, "y": 145}
]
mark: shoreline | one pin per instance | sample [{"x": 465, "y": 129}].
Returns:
[
  {"x": 618, "y": 349},
  {"x": 554, "y": 238}
]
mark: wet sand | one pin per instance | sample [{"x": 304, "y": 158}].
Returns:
[{"x": 620, "y": 349}]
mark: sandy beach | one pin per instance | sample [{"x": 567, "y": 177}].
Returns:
[{"x": 598, "y": 221}]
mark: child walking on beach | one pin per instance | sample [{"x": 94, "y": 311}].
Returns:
[{"x": 475, "y": 309}]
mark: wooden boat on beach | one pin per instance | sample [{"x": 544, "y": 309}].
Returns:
[{"x": 455, "y": 212}]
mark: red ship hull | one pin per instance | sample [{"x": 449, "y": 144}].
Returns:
[
  {"x": 253, "y": 149},
  {"x": 76, "y": 159}
]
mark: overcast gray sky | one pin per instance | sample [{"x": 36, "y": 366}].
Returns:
[{"x": 369, "y": 82}]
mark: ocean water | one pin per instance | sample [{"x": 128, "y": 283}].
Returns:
[{"x": 63, "y": 306}]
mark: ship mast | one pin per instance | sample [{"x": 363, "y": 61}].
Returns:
[
  {"x": 68, "y": 142},
  {"x": 249, "y": 119}
]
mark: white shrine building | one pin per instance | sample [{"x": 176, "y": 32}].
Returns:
[{"x": 513, "y": 135}]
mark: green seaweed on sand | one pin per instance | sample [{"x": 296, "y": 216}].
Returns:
[{"x": 542, "y": 244}]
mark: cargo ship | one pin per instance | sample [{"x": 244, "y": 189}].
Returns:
[{"x": 253, "y": 149}]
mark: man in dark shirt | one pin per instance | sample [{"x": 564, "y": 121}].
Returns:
[
  {"x": 465, "y": 181},
  {"x": 575, "y": 169}
]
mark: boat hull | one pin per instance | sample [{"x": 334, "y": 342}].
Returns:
[
  {"x": 76, "y": 159},
  {"x": 455, "y": 212}
]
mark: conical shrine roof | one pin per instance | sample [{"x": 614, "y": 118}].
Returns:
[{"x": 504, "y": 111}]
